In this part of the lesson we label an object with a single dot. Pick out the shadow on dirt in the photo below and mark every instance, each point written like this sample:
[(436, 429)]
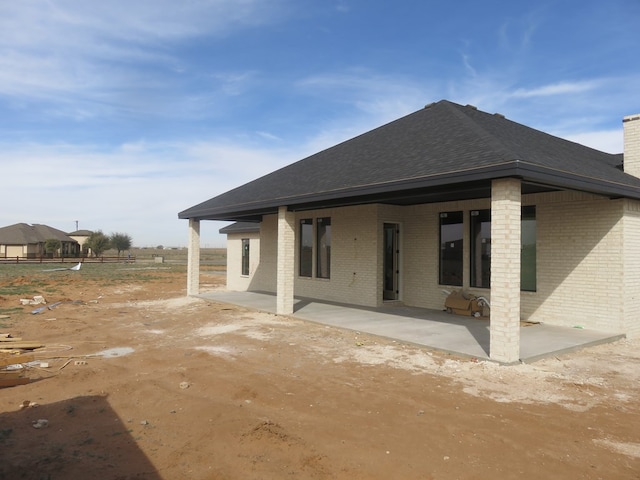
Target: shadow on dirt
[(78, 438)]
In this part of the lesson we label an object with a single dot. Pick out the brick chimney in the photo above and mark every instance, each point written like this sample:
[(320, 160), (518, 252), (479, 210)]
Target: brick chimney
[(631, 125)]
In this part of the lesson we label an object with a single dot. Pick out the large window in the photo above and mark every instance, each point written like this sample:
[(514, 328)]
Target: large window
[(323, 245), (451, 248), (320, 243), (480, 226), (480, 255), (245, 256), (306, 247)]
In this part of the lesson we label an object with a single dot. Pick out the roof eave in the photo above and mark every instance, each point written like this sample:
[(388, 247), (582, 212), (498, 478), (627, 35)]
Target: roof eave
[(386, 192)]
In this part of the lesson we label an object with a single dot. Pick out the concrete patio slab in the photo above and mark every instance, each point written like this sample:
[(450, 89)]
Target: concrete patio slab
[(454, 334)]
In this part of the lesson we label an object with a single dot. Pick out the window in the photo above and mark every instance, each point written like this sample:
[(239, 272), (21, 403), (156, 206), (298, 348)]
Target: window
[(306, 247), (480, 255), (528, 253), (318, 244), (245, 256), (451, 248), (323, 245), (480, 226)]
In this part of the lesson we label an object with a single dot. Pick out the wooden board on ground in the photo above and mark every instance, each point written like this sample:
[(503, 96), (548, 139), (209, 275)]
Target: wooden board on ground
[(15, 359), (21, 345)]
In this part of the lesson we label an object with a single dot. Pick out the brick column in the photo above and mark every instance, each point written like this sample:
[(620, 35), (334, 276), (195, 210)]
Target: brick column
[(505, 270), (286, 261), (193, 259)]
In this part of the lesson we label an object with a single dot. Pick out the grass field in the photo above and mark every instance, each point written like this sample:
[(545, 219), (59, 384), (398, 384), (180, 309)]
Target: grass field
[(27, 280), (208, 256)]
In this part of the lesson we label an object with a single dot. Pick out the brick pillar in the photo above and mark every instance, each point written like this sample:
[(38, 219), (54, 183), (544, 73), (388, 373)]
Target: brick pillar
[(193, 259), (286, 261), (505, 270)]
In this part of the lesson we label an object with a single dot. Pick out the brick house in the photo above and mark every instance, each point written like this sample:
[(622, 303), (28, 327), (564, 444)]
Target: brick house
[(448, 197), (28, 241)]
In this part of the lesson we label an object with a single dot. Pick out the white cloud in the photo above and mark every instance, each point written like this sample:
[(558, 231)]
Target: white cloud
[(115, 55), (137, 188), (610, 141), (563, 88)]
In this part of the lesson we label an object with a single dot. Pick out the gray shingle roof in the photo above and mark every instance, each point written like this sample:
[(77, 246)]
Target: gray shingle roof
[(25, 234), (81, 233), (443, 151), (240, 227)]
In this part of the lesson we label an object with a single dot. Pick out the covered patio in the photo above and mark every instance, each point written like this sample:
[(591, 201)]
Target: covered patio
[(439, 199), (458, 335)]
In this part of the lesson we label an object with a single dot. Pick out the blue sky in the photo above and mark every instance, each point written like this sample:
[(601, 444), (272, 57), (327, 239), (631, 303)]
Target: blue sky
[(119, 114)]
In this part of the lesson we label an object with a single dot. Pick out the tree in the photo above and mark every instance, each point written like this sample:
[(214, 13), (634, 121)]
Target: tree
[(52, 245), (120, 241), (98, 242)]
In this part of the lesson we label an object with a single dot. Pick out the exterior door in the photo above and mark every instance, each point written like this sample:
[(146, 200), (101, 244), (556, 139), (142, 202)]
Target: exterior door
[(391, 265)]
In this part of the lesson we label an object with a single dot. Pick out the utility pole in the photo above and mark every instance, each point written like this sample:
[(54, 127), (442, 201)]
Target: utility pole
[(76, 225)]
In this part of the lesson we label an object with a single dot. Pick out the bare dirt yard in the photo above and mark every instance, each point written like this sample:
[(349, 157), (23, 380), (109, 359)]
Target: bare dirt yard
[(143, 382)]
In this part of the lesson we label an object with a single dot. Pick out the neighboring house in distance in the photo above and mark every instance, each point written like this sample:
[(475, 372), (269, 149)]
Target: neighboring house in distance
[(448, 197), (81, 236), (28, 241)]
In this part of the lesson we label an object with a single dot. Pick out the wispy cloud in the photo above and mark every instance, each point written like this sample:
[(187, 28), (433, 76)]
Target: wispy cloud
[(562, 88), (64, 51), (136, 187)]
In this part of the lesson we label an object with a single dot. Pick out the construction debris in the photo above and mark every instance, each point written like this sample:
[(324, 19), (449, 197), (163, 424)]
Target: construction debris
[(54, 305), (36, 300), (14, 354), (74, 268), (462, 303)]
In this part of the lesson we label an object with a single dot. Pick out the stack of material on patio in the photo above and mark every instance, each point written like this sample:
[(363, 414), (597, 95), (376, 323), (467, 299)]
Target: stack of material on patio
[(14, 353), (462, 303)]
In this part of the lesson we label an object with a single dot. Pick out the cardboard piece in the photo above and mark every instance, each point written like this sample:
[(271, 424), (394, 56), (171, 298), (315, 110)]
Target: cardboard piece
[(461, 303)]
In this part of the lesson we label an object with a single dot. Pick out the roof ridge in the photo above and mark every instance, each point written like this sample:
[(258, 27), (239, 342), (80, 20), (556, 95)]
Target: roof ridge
[(462, 112)]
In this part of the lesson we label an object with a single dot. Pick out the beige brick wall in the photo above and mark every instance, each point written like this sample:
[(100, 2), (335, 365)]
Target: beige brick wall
[(355, 257), (580, 262), (421, 252), (264, 277), (631, 256), (235, 280), (586, 274)]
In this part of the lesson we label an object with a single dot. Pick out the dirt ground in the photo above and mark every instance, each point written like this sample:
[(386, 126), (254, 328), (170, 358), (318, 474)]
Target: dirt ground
[(146, 383)]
